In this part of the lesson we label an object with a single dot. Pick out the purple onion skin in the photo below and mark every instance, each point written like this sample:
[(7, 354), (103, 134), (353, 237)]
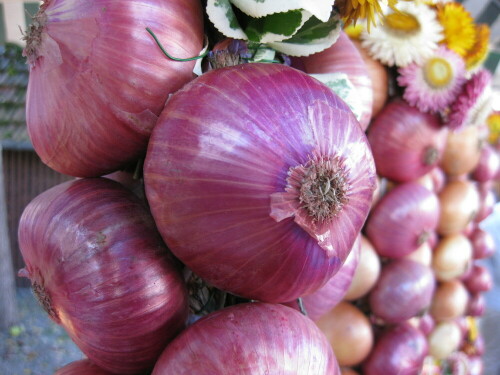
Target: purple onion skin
[(213, 167), (329, 295), (479, 279), (402, 219), (248, 339), (101, 270), (487, 200), (403, 290), (406, 143), (477, 305), (488, 165), (82, 367), (400, 350), (483, 243), (98, 80)]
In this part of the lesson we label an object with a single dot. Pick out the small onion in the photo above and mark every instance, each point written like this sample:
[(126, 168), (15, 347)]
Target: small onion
[(426, 323), (329, 295), (462, 151), (98, 80), (400, 350), (459, 203), (444, 339), (452, 257), (487, 201), (99, 268), (262, 187), (402, 220), (349, 332), (367, 272), (250, 338), (82, 367), (477, 305), (449, 301), (403, 290), (379, 77), (483, 243), (488, 165), (344, 57), (406, 143), (475, 365), (479, 279)]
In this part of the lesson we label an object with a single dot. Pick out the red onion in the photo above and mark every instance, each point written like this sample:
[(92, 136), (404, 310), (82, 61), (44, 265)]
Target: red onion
[(99, 268), (488, 165), (475, 365), (487, 201), (403, 290), (344, 57), (479, 279), (98, 80), (406, 143), (262, 187), (329, 295), (400, 350), (81, 367), (477, 305), (403, 220), (250, 338), (483, 243), (426, 323), (439, 178)]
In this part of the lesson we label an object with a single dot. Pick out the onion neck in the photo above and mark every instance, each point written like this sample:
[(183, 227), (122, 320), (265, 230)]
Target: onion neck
[(33, 35), (44, 299)]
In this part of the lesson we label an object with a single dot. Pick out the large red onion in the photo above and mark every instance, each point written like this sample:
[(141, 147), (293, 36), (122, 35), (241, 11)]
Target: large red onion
[(329, 295), (262, 187), (403, 290), (406, 143), (400, 350), (99, 268), (403, 220), (344, 57), (98, 80), (81, 367), (247, 339)]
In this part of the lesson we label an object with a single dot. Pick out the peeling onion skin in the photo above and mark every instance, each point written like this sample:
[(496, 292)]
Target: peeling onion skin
[(98, 80), (215, 166), (249, 339), (82, 367), (98, 266)]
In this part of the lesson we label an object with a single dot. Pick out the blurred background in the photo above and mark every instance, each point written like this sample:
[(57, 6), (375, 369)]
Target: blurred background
[(33, 345)]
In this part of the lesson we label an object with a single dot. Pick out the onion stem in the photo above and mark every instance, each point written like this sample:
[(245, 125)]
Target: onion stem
[(170, 56)]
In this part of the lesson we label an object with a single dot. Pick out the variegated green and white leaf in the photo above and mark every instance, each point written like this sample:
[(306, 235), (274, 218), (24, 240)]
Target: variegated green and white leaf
[(221, 13)]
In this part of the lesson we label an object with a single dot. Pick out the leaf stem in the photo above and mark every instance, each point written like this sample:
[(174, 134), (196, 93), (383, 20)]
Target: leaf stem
[(170, 56)]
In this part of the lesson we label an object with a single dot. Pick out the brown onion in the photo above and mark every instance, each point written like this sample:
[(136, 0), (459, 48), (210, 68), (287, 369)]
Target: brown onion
[(449, 301), (367, 272), (349, 332), (402, 220), (444, 339), (422, 255), (100, 269), (452, 257), (462, 151), (406, 143), (459, 203)]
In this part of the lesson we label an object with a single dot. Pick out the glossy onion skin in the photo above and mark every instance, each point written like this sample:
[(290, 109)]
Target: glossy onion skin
[(344, 57), (100, 80), (249, 339), (403, 290), (93, 253), (402, 138), (81, 367), (402, 218), (213, 164)]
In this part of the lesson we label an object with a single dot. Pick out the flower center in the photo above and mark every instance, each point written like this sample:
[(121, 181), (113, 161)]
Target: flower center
[(402, 22), (438, 72), (323, 189)]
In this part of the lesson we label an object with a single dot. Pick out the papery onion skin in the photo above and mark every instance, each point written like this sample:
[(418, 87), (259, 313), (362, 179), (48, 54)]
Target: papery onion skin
[(406, 143), (402, 220), (462, 151), (82, 367), (217, 176), (98, 80), (329, 295), (403, 290), (400, 350), (452, 257), (101, 270), (344, 57), (250, 338)]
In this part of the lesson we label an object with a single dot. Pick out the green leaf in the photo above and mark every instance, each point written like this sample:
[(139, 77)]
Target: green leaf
[(278, 23), (314, 29)]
